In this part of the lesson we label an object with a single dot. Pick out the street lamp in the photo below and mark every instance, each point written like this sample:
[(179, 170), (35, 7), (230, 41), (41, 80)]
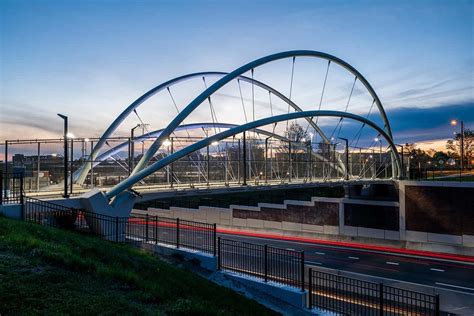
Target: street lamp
[(65, 136), (131, 158), (402, 172), (454, 123), (71, 181)]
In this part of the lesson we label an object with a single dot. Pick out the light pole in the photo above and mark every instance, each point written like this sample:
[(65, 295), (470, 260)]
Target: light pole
[(266, 157), (64, 117), (71, 181), (347, 156), (454, 123), (167, 143), (131, 160), (402, 172)]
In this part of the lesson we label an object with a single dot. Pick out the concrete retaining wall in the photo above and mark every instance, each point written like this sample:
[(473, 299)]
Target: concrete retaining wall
[(325, 218)]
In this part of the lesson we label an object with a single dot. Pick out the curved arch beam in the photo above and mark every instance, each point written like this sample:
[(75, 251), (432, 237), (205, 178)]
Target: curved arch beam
[(238, 72), (129, 182), (80, 176)]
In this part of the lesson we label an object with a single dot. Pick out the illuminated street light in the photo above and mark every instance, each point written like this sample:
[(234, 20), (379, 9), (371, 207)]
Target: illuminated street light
[(70, 135), (215, 143), (86, 140), (65, 170), (167, 143), (454, 123)]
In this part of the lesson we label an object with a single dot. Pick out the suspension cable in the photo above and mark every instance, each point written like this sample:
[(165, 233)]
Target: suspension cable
[(253, 97), (359, 132), (324, 88), (341, 120), (242, 99), (291, 87)]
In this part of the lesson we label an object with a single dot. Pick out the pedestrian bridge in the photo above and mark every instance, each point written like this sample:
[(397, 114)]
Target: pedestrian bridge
[(267, 137)]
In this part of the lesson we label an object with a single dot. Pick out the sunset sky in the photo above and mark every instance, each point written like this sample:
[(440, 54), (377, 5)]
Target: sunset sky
[(90, 59)]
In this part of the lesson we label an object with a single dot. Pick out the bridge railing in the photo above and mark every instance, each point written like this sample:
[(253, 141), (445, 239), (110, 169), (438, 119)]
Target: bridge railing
[(350, 296)]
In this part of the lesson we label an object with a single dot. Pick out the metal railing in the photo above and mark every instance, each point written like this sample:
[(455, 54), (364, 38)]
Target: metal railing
[(173, 231), (351, 296), (136, 228), (261, 261), (11, 188)]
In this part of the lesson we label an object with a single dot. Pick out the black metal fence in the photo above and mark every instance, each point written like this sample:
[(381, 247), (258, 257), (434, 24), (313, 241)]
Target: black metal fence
[(136, 228), (11, 188), (173, 231), (357, 297), (263, 262)]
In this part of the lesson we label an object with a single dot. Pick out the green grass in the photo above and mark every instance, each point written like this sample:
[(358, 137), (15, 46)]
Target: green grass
[(50, 271)]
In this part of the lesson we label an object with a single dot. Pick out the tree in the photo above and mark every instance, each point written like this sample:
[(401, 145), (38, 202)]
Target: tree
[(296, 133), (417, 156), (454, 145)]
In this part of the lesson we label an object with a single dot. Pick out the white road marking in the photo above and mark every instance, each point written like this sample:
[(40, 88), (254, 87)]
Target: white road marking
[(355, 258), (313, 262), (392, 263), (456, 286), (438, 270), (320, 253)]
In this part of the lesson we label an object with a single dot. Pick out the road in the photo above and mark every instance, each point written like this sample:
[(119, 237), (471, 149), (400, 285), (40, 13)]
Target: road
[(427, 271), (432, 272)]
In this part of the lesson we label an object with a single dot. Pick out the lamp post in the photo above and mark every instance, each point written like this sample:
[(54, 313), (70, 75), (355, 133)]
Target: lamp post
[(266, 158), (64, 117), (402, 172), (131, 159), (454, 123), (71, 181)]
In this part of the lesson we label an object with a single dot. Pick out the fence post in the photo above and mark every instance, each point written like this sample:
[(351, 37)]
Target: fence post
[(381, 299), (310, 288), (214, 239), (177, 233), (266, 262), (219, 253), (437, 311), (22, 199), (116, 228), (1, 188), (302, 271), (146, 227), (156, 230)]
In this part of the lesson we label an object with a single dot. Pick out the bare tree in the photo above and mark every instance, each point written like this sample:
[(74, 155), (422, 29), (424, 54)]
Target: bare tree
[(454, 145)]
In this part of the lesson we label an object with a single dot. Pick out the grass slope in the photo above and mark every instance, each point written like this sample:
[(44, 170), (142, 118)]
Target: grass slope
[(49, 271)]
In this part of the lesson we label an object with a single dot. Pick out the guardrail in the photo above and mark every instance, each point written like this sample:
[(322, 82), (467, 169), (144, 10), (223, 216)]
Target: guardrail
[(263, 262), (357, 297), (11, 188)]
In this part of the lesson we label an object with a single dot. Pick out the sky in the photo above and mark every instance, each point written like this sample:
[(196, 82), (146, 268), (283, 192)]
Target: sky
[(91, 59)]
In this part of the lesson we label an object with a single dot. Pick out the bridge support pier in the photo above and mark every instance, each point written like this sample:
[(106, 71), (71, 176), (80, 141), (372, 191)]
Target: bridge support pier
[(95, 204)]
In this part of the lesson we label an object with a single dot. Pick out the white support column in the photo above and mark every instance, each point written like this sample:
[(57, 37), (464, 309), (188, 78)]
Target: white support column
[(341, 217), (401, 210)]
